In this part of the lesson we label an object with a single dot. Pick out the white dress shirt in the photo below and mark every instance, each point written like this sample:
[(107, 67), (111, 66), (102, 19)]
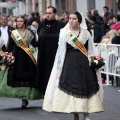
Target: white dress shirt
[(4, 34)]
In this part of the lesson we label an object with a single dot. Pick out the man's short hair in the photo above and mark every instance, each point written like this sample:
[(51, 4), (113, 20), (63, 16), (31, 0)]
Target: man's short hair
[(95, 11), (54, 9), (106, 7)]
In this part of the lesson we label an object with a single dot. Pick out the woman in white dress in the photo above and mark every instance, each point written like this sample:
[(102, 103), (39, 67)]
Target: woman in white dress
[(74, 87)]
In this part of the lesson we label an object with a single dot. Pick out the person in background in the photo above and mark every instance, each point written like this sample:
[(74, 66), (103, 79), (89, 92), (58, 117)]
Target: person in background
[(88, 13), (61, 18), (109, 36), (66, 18), (111, 19), (116, 21), (34, 28), (5, 33), (42, 18), (106, 12), (12, 21), (73, 85), (94, 12), (34, 17), (105, 18), (97, 29), (99, 19), (47, 46)]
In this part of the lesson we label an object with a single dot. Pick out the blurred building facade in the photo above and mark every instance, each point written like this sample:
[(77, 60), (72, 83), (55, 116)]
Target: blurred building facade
[(29, 6), (14, 7), (71, 5)]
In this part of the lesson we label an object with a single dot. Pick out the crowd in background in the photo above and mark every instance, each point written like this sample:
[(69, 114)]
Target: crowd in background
[(103, 28)]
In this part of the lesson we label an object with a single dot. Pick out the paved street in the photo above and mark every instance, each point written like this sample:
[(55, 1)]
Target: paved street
[(10, 109)]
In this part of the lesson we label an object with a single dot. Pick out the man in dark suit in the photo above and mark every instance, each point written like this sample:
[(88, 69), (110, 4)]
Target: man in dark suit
[(5, 34), (97, 28), (48, 43)]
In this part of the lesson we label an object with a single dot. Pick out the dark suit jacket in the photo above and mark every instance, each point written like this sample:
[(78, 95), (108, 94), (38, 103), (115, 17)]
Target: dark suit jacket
[(48, 43), (98, 32), (10, 40)]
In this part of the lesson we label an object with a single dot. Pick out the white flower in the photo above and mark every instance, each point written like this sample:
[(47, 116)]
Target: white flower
[(96, 61)]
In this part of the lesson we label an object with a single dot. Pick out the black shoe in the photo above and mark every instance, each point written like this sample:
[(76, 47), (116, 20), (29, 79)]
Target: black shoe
[(24, 104)]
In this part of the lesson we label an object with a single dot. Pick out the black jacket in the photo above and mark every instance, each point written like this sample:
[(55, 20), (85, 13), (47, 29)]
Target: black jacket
[(98, 32), (48, 43)]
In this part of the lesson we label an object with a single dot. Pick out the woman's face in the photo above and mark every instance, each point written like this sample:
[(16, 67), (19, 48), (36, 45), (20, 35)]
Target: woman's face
[(20, 23), (73, 21)]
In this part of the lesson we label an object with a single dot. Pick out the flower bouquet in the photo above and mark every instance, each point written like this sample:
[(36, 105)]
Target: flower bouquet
[(96, 62), (6, 59)]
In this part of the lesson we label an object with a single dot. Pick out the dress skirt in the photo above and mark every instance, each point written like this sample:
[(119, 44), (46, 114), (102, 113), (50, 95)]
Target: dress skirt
[(78, 89), (17, 92)]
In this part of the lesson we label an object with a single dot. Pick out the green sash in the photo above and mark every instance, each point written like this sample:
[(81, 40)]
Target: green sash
[(76, 41), (18, 40)]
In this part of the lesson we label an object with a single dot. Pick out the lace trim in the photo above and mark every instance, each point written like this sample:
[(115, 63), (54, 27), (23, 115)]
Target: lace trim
[(12, 79), (83, 37), (61, 87)]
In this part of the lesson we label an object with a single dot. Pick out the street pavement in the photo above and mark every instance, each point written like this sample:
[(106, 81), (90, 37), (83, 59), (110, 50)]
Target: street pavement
[(10, 109)]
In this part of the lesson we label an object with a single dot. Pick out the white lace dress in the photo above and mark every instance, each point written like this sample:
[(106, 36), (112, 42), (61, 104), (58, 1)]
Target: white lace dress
[(56, 100)]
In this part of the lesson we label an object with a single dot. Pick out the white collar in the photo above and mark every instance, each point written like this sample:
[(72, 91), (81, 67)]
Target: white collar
[(6, 27)]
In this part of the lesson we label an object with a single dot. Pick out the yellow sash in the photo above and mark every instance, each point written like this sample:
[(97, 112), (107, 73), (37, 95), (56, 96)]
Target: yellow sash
[(18, 40), (76, 41)]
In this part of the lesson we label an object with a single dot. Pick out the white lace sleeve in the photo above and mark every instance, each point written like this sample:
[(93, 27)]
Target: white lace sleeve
[(91, 46), (83, 36)]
